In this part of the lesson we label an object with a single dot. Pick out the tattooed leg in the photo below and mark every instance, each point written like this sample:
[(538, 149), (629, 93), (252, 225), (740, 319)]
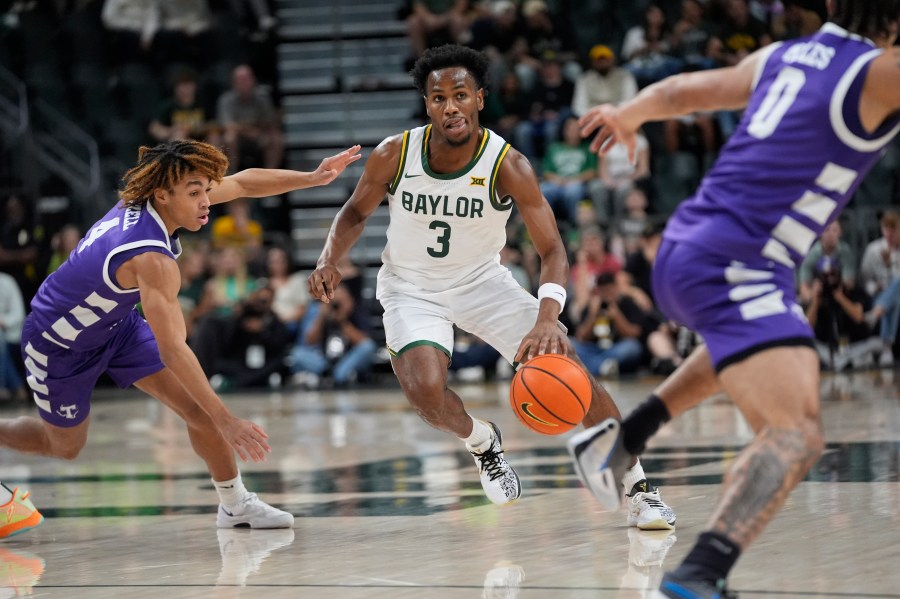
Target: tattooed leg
[(777, 391), (761, 479)]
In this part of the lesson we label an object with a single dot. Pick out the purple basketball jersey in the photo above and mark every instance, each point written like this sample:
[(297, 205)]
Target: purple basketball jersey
[(83, 323), (796, 158), (76, 305)]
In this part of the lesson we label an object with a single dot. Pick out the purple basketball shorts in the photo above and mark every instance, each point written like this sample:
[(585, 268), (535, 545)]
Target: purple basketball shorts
[(739, 307), (62, 380)]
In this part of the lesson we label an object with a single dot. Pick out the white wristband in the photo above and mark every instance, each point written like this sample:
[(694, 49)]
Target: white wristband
[(555, 292)]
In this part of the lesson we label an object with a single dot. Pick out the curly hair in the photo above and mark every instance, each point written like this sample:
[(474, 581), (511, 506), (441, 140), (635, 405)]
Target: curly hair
[(163, 166), (451, 55), (869, 18)]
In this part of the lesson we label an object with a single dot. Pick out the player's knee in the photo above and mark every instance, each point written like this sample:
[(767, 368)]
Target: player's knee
[(813, 436)]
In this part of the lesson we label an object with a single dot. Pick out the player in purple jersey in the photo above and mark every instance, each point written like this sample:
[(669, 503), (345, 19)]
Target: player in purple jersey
[(83, 322), (818, 112)]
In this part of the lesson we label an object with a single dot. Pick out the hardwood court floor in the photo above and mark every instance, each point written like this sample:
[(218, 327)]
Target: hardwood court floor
[(390, 508)]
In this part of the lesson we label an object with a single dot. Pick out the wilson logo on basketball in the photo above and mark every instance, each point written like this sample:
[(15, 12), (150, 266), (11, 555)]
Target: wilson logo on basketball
[(527, 412)]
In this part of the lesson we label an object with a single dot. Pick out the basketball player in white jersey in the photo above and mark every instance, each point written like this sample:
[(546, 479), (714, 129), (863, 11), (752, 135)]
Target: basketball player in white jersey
[(451, 186)]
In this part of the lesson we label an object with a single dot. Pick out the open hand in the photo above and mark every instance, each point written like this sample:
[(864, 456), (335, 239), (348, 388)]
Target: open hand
[(331, 167), (247, 439), (605, 120)]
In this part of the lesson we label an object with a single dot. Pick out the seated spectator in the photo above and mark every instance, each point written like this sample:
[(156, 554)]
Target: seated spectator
[(186, 34), (337, 343), (740, 35), (830, 246), (63, 244), (646, 49), (803, 17), (195, 303), (631, 227), (771, 14), (592, 258), (238, 229), (603, 82), (19, 245), (291, 289), (618, 176), (160, 32), (608, 331), (230, 283), (252, 128), (12, 315), (505, 108), (223, 295), (692, 37), (511, 258), (435, 22), (253, 347), (131, 27), (540, 33), (638, 268), (836, 313), (567, 167), (185, 115), (550, 104), (880, 274), (634, 281)]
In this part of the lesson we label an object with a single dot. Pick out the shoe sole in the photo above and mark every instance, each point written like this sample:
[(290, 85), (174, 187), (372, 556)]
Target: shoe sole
[(599, 445), (32, 521), (659, 524)]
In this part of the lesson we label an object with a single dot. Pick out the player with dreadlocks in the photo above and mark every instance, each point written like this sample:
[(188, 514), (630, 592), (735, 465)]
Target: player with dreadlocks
[(83, 321)]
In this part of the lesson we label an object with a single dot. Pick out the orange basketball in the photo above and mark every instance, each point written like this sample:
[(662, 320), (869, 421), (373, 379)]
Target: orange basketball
[(550, 394)]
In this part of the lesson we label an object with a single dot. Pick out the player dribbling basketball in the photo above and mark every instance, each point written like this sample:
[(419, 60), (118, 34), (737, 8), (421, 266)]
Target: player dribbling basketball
[(451, 186)]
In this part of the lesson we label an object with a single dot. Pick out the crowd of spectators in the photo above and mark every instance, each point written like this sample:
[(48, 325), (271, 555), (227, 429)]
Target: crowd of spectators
[(250, 319), (611, 210)]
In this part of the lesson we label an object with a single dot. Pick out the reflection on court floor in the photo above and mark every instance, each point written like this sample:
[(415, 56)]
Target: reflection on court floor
[(389, 507)]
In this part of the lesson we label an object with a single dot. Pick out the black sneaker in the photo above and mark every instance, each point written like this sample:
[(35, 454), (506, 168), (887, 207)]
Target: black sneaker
[(675, 587), (498, 479)]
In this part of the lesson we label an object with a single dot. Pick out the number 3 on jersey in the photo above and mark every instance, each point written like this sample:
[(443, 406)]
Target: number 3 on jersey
[(782, 93), (443, 239)]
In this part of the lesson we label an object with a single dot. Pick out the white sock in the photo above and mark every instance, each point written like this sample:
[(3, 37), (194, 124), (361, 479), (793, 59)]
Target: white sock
[(481, 435), (231, 492), (633, 475), (5, 494)]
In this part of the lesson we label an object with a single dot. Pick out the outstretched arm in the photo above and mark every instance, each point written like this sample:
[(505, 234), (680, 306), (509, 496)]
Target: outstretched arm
[(716, 89), (348, 225), (264, 182), (158, 278)]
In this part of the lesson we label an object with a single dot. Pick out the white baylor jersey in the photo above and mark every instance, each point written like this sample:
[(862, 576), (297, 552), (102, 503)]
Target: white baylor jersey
[(445, 229)]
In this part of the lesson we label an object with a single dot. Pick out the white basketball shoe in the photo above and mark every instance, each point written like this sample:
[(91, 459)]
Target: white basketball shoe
[(498, 479), (647, 510), (253, 512)]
